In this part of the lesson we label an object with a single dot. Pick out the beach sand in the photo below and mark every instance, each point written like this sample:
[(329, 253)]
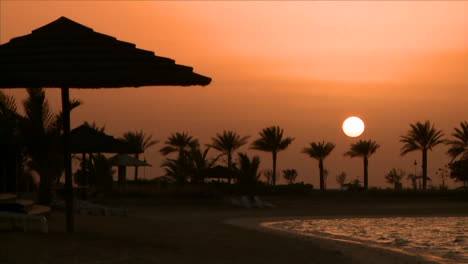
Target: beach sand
[(205, 231)]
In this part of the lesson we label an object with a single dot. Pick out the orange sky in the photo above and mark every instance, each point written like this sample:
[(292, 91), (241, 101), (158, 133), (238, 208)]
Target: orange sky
[(302, 65)]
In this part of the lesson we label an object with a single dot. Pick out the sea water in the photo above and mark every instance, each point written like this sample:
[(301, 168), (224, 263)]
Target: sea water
[(444, 238)]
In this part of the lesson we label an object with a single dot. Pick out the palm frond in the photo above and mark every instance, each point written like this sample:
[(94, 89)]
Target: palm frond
[(271, 140), (421, 136), (139, 139), (459, 146), (319, 150), (362, 148)]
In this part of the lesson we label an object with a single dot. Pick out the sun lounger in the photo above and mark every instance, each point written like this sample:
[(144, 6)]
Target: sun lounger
[(262, 204), (7, 198), (234, 202), (18, 213), (245, 202)]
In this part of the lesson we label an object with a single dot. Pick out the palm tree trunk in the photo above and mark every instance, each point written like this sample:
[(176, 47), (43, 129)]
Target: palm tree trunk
[(44, 192), (83, 168), (274, 168), (366, 181), (67, 160), (136, 168), (229, 165), (122, 175), (424, 168), (322, 182)]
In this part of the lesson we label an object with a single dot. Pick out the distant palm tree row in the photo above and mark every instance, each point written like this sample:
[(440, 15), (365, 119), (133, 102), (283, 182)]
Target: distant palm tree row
[(32, 143), (420, 137)]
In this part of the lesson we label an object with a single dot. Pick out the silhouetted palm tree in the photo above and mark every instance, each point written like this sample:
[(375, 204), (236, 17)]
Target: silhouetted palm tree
[(320, 151), (290, 175), (459, 146), (341, 179), (38, 135), (363, 149), (271, 140), (199, 162), (181, 143), (227, 143), (8, 107), (394, 177), (139, 140), (41, 131), (192, 165), (248, 174), (421, 137), (175, 170), (11, 151)]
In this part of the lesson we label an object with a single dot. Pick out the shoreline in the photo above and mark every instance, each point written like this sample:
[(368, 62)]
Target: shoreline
[(206, 231), (361, 252)]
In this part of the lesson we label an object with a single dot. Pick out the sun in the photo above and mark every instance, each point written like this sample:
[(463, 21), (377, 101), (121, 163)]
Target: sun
[(353, 126)]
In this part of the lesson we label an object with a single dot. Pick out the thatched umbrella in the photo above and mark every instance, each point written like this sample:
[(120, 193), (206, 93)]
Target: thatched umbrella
[(219, 172), (122, 161), (65, 54), (86, 139)]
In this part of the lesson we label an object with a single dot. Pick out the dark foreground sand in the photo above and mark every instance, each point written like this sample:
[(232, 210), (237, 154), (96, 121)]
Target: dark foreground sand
[(201, 231)]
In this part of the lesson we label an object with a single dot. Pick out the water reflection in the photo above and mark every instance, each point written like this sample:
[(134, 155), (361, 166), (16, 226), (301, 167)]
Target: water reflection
[(445, 237)]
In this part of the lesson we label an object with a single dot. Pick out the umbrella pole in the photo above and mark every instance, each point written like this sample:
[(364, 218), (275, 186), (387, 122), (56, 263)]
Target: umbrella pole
[(67, 158)]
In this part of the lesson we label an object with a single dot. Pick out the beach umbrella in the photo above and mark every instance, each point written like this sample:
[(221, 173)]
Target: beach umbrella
[(122, 161), (85, 139), (126, 160), (219, 172), (65, 54)]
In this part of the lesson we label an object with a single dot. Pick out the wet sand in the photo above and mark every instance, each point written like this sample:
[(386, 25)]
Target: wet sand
[(210, 231)]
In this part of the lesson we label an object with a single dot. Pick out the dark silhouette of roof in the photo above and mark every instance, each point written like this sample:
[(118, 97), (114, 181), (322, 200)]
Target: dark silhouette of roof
[(126, 160), (86, 139), (65, 53), (219, 172)]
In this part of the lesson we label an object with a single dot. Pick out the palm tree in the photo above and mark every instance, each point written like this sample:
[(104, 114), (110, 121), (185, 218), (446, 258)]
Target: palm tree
[(320, 151), (363, 149), (290, 175), (341, 179), (248, 174), (199, 163), (37, 134), (41, 131), (10, 144), (227, 143), (175, 170), (422, 137), (394, 177), (271, 140), (139, 140), (192, 165), (459, 146), (181, 143)]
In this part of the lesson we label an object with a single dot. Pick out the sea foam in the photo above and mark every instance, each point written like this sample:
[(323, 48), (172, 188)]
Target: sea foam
[(444, 238)]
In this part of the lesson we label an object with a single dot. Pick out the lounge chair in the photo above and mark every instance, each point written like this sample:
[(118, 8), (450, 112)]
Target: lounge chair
[(234, 201), (262, 204), (245, 202), (21, 213)]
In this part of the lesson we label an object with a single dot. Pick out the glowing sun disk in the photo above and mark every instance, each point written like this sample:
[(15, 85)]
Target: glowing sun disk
[(353, 126)]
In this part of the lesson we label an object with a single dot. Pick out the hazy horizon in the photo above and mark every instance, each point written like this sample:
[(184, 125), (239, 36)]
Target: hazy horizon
[(390, 63)]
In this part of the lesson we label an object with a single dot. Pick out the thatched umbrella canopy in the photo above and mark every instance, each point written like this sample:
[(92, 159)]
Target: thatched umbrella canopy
[(219, 172), (85, 139), (122, 161), (126, 160), (65, 54)]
